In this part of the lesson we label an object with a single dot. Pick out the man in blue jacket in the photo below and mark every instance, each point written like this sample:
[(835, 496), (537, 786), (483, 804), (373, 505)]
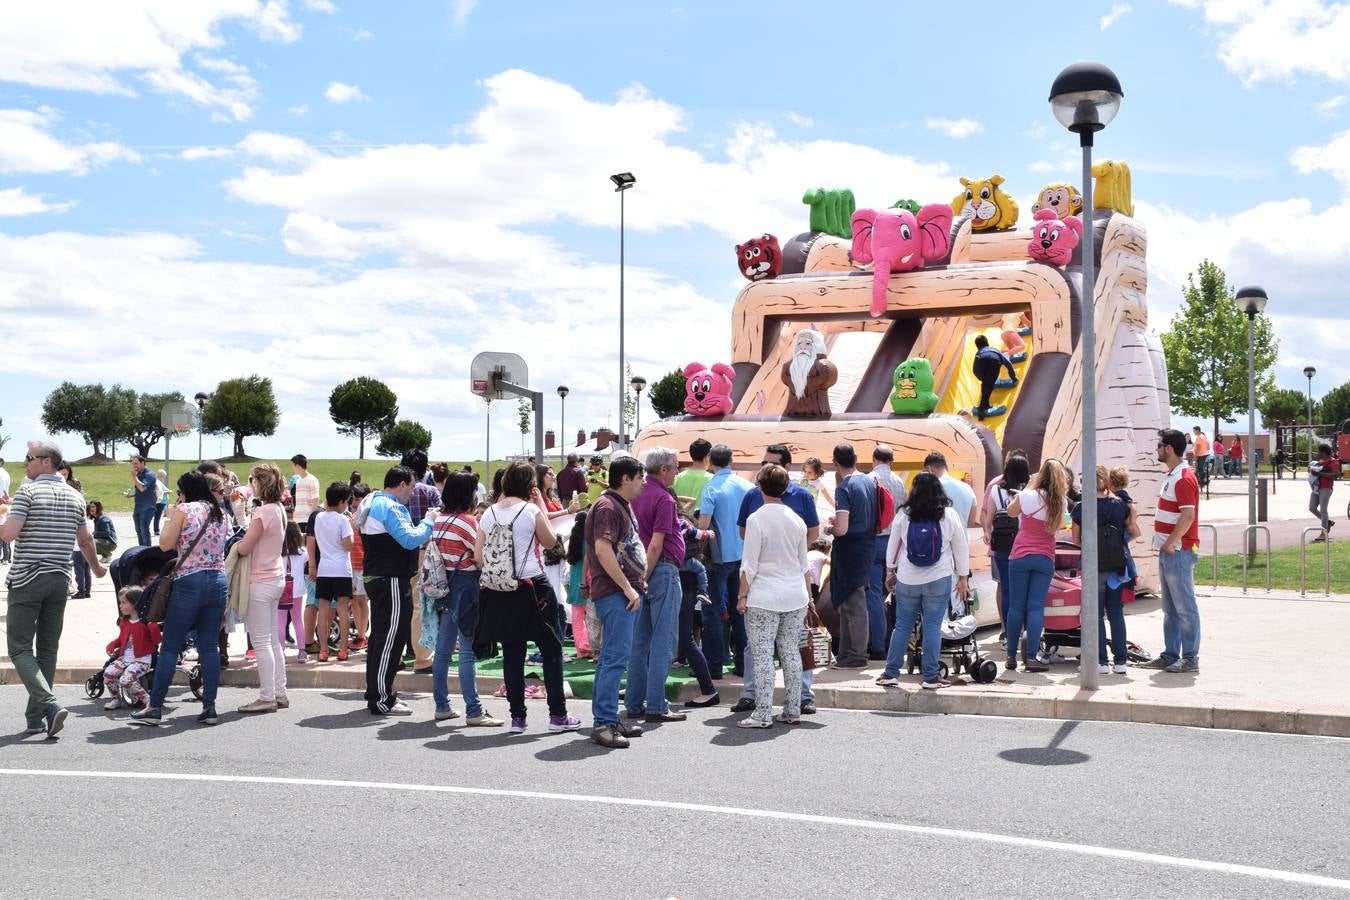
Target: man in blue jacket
[(391, 542)]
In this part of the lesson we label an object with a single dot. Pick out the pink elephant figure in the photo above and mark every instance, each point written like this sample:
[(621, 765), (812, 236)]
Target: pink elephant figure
[(896, 240), (1053, 238), (707, 389)]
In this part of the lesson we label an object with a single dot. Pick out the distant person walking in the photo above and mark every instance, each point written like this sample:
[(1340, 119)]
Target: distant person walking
[(1326, 470), (143, 483), (46, 518), (1176, 535)]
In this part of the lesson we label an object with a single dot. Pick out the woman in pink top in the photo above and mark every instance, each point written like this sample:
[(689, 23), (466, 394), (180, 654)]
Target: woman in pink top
[(267, 579), (1031, 564)]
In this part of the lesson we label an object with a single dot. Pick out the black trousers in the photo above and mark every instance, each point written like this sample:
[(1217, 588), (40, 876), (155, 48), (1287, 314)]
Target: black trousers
[(390, 623), (986, 394)]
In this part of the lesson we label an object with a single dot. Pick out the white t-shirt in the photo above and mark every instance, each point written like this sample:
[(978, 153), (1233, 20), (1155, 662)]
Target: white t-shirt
[(955, 559), (529, 563), (1034, 505), (329, 530), (4, 482)]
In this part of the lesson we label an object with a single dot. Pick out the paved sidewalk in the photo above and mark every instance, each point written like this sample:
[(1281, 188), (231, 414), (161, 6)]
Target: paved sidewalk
[(1268, 663)]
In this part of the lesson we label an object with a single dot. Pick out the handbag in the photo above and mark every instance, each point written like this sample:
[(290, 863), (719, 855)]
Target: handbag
[(815, 641), (555, 554), (154, 602)]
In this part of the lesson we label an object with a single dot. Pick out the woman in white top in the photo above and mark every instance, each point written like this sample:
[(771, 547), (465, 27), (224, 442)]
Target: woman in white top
[(775, 588), (922, 573), (267, 579)]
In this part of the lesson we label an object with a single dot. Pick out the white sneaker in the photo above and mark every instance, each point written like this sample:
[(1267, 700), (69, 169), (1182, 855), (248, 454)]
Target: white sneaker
[(190, 654), (1119, 668), (399, 709), (1103, 669), (114, 703)]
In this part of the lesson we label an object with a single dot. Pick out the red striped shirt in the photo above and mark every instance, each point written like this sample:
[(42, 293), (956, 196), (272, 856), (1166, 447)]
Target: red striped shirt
[(1180, 489), (454, 537)]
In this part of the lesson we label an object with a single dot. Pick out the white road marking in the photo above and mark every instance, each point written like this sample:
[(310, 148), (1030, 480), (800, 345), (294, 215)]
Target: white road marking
[(1157, 859)]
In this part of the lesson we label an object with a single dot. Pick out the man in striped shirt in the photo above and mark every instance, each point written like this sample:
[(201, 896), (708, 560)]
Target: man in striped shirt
[(1176, 535), (45, 519)]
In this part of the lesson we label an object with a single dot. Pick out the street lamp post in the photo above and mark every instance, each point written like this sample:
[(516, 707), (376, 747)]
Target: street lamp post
[(638, 383), (1254, 305), (562, 422), (201, 398), (622, 182), (1309, 372), (1084, 98)]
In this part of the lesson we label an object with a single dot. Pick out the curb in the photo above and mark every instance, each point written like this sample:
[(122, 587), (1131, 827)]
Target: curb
[(1321, 721)]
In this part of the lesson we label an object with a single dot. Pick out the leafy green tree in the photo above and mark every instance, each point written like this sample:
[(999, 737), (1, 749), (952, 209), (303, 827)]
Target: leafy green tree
[(242, 407), (1334, 407), (667, 395), (402, 437), (524, 413), (100, 415), (1206, 350), (363, 406), (144, 430)]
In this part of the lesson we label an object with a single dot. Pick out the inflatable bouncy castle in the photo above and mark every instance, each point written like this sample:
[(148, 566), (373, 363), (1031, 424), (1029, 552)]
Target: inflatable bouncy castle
[(866, 334)]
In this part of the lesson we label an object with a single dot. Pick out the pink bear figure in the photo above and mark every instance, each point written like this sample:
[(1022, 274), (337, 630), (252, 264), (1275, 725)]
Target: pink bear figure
[(707, 389), (1053, 238)]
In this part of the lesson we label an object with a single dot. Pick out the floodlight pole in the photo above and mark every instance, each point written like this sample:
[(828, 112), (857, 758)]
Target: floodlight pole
[(623, 388)]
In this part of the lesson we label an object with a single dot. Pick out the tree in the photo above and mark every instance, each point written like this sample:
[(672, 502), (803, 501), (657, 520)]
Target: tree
[(1206, 350), (1282, 406), (667, 395), (628, 414), (4, 438), (144, 429), (96, 413), (1334, 407), (524, 412), (363, 406), (242, 407), (403, 436)]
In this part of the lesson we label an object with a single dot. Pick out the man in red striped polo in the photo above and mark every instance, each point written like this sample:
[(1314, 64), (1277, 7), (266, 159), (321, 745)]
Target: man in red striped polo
[(1176, 535)]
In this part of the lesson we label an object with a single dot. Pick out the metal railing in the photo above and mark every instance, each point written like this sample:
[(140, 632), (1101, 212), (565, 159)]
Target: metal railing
[(1303, 560), (1246, 559), (1215, 556)]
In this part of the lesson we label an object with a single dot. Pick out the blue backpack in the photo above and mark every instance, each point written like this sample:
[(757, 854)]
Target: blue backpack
[(923, 543)]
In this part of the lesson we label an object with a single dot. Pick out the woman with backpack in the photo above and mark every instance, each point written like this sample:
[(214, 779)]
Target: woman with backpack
[(1000, 529), (1031, 563), (263, 545), (1114, 522), (928, 554), (516, 603)]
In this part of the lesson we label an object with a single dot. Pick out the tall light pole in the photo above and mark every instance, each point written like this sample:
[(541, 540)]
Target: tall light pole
[(1309, 372), (1252, 301), (638, 383), (622, 182), (201, 398), (562, 422), (1084, 98)]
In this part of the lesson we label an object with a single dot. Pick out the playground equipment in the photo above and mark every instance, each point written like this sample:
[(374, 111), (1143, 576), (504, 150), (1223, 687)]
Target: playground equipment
[(985, 282)]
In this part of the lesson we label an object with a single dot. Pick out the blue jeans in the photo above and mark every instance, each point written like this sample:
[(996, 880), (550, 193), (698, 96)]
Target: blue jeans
[(724, 582), (197, 603), (696, 568), (159, 513), (1181, 615), (142, 517), (932, 598), (617, 624), (1004, 584), (654, 639), (876, 598), (458, 609), (1029, 583), (1111, 605)]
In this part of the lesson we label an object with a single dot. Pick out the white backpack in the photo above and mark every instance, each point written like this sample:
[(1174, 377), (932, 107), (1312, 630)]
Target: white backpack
[(435, 582), (499, 555)]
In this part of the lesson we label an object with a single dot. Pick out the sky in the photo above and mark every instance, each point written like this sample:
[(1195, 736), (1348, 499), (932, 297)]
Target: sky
[(318, 189)]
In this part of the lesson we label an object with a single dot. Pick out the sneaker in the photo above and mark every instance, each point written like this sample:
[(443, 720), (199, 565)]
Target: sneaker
[(745, 704), (936, 684), (1010, 665), (359, 644), (484, 720), (114, 703), (605, 735), (312, 647), (808, 707), (670, 715), (208, 716), (398, 709), (753, 723), (409, 661), (517, 725), (250, 654), (323, 656), (860, 664), (1035, 665), (701, 600), (1103, 669), (283, 702), (443, 715), (259, 706), (563, 723), (56, 718), (343, 656), (145, 716), (888, 680), (630, 729), (190, 654), (1183, 666), (1158, 662), (787, 719), (301, 657), (1120, 668)]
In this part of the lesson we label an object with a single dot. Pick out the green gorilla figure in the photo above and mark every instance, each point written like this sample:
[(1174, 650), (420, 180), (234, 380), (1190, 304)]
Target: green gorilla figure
[(913, 388)]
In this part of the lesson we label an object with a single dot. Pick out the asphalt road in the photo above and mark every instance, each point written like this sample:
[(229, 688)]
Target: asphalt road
[(326, 800)]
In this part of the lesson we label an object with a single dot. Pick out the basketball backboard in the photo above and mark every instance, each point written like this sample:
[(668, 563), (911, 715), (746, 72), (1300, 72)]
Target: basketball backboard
[(178, 417), (488, 368)]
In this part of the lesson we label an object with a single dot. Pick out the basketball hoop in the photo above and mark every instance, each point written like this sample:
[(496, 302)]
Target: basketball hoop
[(181, 428)]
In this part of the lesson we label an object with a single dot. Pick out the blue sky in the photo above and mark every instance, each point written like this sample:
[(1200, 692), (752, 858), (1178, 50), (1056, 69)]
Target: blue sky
[(314, 190)]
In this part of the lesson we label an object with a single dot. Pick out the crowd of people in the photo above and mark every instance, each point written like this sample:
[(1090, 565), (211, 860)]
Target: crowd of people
[(659, 563)]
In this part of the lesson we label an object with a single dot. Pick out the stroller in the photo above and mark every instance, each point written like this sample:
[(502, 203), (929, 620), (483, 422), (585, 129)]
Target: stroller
[(132, 567), (1063, 607), (958, 645)]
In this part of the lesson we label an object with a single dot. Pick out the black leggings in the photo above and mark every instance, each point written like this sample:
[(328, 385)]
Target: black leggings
[(513, 673), (689, 651)]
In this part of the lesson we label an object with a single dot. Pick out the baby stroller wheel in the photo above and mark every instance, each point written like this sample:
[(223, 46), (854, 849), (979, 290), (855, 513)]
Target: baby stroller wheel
[(943, 671), (985, 671), (195, 681), (93, 686), (911, 663)]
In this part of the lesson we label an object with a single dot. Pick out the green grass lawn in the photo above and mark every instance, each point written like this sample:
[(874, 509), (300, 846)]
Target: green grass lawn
[(106, 483), (1284, 569)]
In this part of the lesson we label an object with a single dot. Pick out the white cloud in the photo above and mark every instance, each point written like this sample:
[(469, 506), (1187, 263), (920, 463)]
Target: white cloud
[(1118, 10), (1330, 108), (323, 6), (359, 34), (27, 145), (1333, 158), (298, 111), (192, 154), (337, 92), (1261, 39), (1036, 130), (460, 12), (228, 103), (273, 23), (17, 202), (957, 129), (800, 120)]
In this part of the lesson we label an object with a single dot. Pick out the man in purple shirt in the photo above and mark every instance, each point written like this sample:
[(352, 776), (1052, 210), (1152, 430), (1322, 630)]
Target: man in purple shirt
[(571, 480), (658, 619)]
